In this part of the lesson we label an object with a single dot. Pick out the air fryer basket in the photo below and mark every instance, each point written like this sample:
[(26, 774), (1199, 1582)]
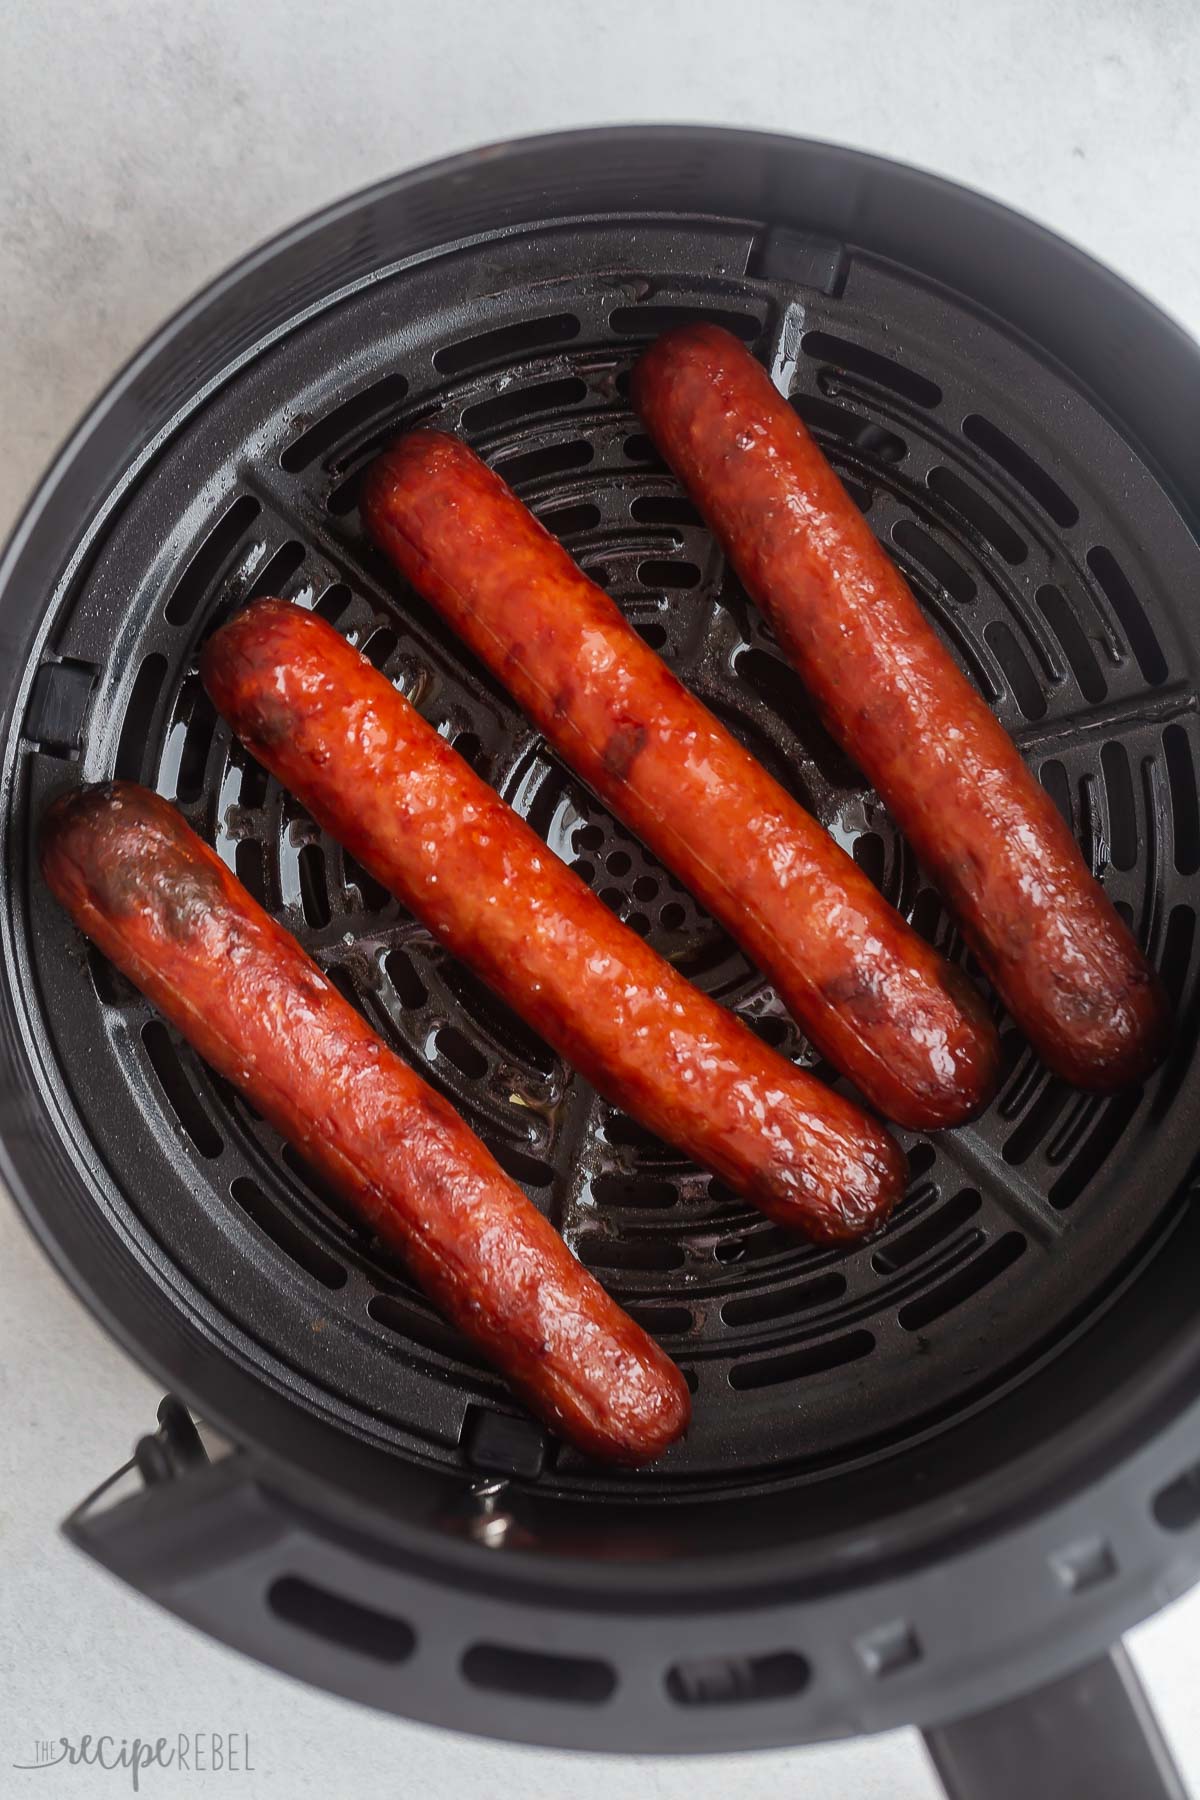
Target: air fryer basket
[(924, 1473)]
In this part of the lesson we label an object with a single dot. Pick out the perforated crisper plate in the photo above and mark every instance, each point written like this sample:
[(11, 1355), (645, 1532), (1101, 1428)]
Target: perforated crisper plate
[(1046, 554)]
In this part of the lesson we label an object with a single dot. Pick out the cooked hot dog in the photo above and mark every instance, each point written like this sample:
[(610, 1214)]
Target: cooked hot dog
[(381, 780), (1040, 924), (875, 999), (164, 908)]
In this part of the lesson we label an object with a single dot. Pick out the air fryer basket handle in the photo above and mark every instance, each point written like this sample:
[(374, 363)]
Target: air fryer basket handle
[(1092, 1733)]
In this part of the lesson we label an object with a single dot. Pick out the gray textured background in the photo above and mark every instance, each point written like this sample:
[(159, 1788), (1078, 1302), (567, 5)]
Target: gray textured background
[(144, 147)]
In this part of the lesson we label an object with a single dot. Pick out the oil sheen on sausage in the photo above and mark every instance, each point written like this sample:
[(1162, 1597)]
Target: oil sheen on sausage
[(877, 1001), (411, 810), (888, 690), (163, 907)]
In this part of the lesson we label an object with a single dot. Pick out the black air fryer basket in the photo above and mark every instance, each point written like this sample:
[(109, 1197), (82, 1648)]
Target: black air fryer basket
[(926, 1475)]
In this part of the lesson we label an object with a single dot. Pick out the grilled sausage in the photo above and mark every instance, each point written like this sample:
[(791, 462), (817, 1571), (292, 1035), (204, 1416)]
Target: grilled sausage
[(164, 908), (876, 1000), (890, 693), (380, 779)]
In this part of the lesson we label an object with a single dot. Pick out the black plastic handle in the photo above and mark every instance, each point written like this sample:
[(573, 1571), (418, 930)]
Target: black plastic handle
[(1091, 1736)]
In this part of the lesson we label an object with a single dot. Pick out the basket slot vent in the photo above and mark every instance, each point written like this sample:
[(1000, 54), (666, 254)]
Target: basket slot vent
[(248, 866), (870, 854), (189, 741), (1097, 1147), (372, 893), (665, 509), (407, 984), (857, 360), (932, 1230), (314, 895), (541, 465), (1122, 810), (966, 1281), (662, 1321), (411, 1320), (458, 1049), (663, 572), (537, 1675), (828, 420), (1021, 466), (648, 321), (796, 1365), (506, 1028), (345, 423), (1185, 806), (506, 342), (180, 1094), (786, 1302), (348, 1624), (633, 1190), (736, 1680), (601, 1252), (525, 1169), (963, 499), (1129, 610), (1057, 783), (506, 409), (135, 729), (209, 561), (283, 1231), (1064, 622), (1023, 683), (333, 602), (339, 1210), (948, 573), (1053, 1100), (569, 521), (275, 574)]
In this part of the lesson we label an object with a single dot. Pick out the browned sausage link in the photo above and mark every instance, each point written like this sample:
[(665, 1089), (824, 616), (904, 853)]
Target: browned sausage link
[(876, 1000), (889, 691), (414, 814), (164, 908)]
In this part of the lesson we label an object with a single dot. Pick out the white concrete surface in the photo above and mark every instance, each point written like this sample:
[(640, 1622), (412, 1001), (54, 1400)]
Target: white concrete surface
[(142, 147)]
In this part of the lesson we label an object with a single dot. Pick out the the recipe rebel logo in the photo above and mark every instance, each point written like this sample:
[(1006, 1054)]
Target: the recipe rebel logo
[(197, 1752)]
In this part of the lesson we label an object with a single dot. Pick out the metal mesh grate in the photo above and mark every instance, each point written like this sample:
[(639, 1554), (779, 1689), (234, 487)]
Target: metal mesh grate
[(999, 491)]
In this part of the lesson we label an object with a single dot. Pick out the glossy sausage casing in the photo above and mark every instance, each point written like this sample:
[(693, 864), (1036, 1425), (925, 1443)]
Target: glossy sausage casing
[(163, 907), (381, 780), (1052, 943), (875, 999)]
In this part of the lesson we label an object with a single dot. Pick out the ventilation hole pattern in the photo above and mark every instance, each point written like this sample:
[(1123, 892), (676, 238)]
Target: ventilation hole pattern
[(1005, 548)]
